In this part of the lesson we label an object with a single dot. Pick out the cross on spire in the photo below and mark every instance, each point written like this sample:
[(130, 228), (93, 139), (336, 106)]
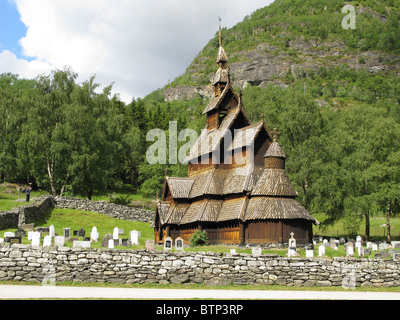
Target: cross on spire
[(275, 134), (220, 32)]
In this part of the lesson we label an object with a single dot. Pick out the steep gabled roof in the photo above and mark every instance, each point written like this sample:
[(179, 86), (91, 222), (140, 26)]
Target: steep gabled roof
[(217, 100), (246, 136), (209, 141), (179, 187)]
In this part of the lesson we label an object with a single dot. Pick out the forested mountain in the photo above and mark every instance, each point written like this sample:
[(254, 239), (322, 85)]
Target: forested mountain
[(333, 93)]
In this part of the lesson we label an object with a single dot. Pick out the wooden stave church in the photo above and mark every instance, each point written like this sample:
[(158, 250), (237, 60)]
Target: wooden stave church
[(243, 198)]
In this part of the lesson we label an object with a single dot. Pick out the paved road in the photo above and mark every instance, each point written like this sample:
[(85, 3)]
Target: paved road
[(42, 292)]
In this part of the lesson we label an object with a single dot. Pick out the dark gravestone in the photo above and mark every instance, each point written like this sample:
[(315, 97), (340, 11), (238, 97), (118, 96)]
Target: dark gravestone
[(14, 240), (81, 232), (20, 233), (104, 242)]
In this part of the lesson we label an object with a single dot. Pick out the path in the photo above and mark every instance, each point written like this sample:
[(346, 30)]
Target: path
[(41, 292)]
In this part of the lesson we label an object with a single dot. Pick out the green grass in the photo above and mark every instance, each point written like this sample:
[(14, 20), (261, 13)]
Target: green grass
[(377, 232), (76, 219), (9, 196)]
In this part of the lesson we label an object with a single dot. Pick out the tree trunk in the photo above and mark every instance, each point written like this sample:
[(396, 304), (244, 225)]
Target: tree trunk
[(50, 172), (367, 225), (389, 212)]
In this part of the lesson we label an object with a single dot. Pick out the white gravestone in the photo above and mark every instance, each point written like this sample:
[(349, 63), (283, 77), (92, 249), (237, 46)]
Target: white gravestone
[(35, 239), (86, 244), (168, 244), (52, 232), (94, 235), (9, 234), (374, 247), (47, 241), (349, 249), (321, 251), (111, 244), (256, 252), (59, 241), (179, 244), (134, 237), (116, 233), (309, 253)]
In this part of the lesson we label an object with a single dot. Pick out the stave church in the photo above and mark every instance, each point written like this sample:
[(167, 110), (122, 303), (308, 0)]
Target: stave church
[(237, 189)]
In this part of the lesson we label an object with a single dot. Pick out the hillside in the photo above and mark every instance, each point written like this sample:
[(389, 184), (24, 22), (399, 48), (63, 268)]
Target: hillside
[(297, 37)]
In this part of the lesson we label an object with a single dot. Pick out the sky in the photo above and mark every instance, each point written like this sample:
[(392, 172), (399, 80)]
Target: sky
[(138, 45)]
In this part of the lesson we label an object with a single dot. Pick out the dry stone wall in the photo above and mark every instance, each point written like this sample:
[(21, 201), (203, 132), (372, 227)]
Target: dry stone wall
[(37, 264)]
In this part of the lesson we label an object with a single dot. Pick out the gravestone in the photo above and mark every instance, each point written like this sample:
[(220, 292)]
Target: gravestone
[(134, 237), (86, 244), (382, 254), (179, 244), (47, 241), (383, 246), (43, 229), (94, 235), (52, 232), (20, 233), (35, 239), (256, 252), (1, 240), (233, 251), (325, 242), (81, 232), (120, 231), (168, 244), (321, 250), (77, 244), (106, 238), (14, 240), (360, 251), (116, 233), (150, 245), (111, 244), (59, 241), (30, 233), (374, 247), (9, 234), (28, 226), (309, 253), (394, 243), (67, 233), (349, 247), (367, 252)]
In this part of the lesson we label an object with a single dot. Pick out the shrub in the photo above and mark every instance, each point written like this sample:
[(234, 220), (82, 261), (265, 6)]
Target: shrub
[(199, 238)]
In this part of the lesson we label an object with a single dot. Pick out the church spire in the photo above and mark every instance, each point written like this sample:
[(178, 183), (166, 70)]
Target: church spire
[(221, 78)]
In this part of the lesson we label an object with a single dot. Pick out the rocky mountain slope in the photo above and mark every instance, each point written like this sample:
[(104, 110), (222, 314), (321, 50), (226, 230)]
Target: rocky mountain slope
[(270, 45)]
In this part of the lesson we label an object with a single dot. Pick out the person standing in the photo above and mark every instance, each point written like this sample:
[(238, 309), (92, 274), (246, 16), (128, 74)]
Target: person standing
[(28, 193)]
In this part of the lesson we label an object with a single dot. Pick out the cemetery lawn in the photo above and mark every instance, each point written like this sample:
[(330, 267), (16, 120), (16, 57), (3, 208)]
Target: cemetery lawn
[(76, 219), (378, 230)]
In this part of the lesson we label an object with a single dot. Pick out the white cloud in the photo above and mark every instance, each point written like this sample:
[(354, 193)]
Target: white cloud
[(138, 44)]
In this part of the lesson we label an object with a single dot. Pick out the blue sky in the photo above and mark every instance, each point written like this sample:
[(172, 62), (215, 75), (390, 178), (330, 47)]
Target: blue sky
[(11, 27), (139, 45)]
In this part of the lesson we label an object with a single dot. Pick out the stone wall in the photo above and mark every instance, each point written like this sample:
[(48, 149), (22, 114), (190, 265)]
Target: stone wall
[(37, 209), (103, 207), (35, 264)]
